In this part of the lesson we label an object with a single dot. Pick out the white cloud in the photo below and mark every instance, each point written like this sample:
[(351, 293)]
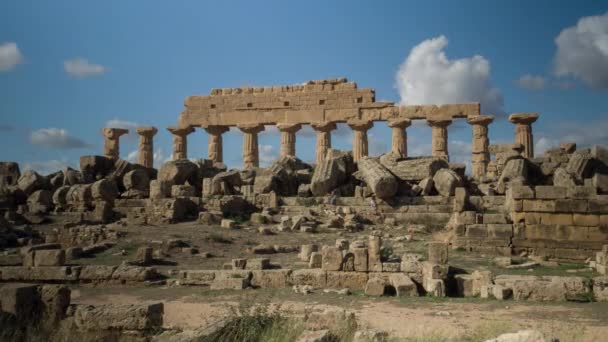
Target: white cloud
[(582, 51), (56, 138), (48, 166), (131, 126), (159, 157), (10, 56), (543, 144), (584, 134), (427, 76), (81, 68), (531, 82), (267, 155), (376, 146)]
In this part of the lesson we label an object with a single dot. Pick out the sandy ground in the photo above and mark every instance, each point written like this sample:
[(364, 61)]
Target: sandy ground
[(401, 317)]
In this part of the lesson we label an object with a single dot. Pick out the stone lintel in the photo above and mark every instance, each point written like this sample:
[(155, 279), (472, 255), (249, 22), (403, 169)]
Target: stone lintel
[(483, 120), (523, 118), (113, 133)]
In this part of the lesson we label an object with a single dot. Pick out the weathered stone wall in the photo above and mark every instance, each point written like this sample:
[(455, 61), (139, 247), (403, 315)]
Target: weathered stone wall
[(552, 221), (315, 101)]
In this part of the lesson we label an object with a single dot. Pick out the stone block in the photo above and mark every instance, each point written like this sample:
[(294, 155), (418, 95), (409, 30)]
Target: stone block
[(257, 264), (501, 292), (228, 224), (271, 279), (581, 192), (550, 192), (464, 285), (411, 263), (144, 255), (438, 252), (374, 263), (235, 283), (404, 286), (332, 258), (600, 182), (520, 192), (316, 260), (21, 300), (375, 287), (494, 218), (586, 220), (119, 317), (49, 257), (351, 280), (600, 288), (238, 264), (316, 278), (557, 219), (434, 271), (95, 273), (361, 259), (543, 206)]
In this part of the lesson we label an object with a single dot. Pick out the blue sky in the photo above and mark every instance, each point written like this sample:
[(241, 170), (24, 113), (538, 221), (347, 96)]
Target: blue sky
[(68, 68)]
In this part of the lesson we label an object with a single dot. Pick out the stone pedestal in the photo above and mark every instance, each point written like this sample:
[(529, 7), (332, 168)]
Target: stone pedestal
[(146, 146), (399, 136), (523, 131), (480, 153), (180, 141), (360, 128), (215, 149), (111, 145), (288, 138), (323, 130), (250, 144), (440, 137)]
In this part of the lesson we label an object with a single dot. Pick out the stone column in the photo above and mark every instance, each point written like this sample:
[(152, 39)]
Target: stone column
[(250, 144), (399, 136), (180, 141), (288, 138), (111, 145), (215, 149), (440, 137), (480, 153), (146, 146), (323, 130), (523, 131), (360, 128)]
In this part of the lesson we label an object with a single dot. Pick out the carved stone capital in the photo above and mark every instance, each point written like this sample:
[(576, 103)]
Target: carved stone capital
[(113, 133), (523, 118), (482, 120), (399, 123)]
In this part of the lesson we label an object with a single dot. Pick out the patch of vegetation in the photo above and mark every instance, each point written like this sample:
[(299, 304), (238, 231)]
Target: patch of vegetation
[(306, 202), (238, 218), (385, 253), (219, 238)]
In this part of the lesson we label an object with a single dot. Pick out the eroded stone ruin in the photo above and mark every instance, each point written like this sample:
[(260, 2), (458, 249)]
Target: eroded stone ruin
[(521, 209)]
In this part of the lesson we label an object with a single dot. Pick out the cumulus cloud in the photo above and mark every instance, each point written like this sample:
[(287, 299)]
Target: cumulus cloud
[(585, 134), (531, 82), (56, 138), (159, 157), (48, 166), (428, 76), (267, 154), (81, 68), (10, 56), (582, 51)]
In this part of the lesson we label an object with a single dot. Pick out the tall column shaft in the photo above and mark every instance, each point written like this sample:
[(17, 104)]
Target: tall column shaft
[(360, 148), (523, 131), (480, 153), (323, 139), (250, 145), (288, 139), (399, 136), (523, 136), (440, 137), (180, 141), (111, 145), (215, 148), (146, 146)]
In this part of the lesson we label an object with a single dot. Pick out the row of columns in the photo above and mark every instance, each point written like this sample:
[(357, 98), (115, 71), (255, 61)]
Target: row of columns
[(479, 147)]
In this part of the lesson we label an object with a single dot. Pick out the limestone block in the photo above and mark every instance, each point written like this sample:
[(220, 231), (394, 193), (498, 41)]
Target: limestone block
[(579, 165), (600, 182), (21, 300), (563, 178), (331, 172), (314, 277), (446, 181), (581, 192), (438, 252), (31, 181), (589, 220), (306, 251), (178, 172), (521, 192), (228, 224), (49, 257), (351, 280), (316, 260), (391, 267), (104, 190), (271, 279), (119, 317), (160, 189), (361, 259), (464, 285), (375, 287), (144, 255), (332, 258), (414, 169), (55, 300), (403, 285), (374, 245), (257, 264), (411, 263), (545, 288), (501, 292), (434, 271), (550, 192), (600, 289), (93, 273), (461, 199), (126, 273), (40, 201)]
